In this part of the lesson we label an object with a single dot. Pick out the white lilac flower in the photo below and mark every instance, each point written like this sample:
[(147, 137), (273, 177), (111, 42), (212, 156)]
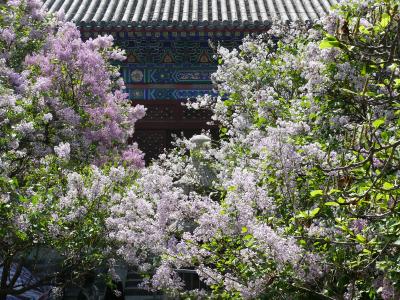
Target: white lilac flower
[(63, 150), (47, 117)]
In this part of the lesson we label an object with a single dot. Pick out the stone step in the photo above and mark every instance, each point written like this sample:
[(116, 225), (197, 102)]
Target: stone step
[(71, 292), (133, 282), (133, 275), (159, 297), (135, 291)]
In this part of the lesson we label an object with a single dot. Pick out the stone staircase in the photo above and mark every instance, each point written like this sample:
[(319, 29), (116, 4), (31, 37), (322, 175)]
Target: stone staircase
[(130, 278), (133, 291), (131, 281)]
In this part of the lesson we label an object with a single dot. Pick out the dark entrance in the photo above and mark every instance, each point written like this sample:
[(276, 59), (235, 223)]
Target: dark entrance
[(164, 120)]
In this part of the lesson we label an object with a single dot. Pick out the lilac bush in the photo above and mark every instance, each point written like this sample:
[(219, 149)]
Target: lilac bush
[(68, 72), (299, 199), (65, 122)]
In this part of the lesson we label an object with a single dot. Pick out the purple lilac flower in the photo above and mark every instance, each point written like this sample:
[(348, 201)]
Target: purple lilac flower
[(7, 35)]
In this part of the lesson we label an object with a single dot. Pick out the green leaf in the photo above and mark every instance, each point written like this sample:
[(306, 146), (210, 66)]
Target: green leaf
[(332, 204), (326, 44), (232, 188), (308, 214), (393, 66), (22, 198), (384, 135), (333, 191), (364, 70), (316, 193), (244, 229), (385, 20), (377, 123), (360, 238), (366, 251), (349, 91), (363, 29), (247, 237), (388, 186), (261, 121), (302, 215), (35, 199), (21, 235), (314, 212), (228, 103), (330, 37), (14, 182)]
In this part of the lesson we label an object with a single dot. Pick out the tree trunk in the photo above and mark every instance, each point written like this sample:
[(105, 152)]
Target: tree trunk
[(7, 263)]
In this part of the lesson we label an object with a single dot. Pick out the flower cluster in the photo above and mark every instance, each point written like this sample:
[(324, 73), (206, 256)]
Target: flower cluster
[(299, 197), (65, 123)]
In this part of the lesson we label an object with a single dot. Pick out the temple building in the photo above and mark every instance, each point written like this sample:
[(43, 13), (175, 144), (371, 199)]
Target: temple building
[(169, 58)]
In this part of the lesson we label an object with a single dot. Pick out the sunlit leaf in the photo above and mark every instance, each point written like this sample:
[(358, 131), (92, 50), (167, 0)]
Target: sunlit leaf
[(316, 193), (332, 204), (388, 186), (385, 20), (379, 122)]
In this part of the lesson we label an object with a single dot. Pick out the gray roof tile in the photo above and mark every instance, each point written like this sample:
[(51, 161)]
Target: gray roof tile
[(192, 13)]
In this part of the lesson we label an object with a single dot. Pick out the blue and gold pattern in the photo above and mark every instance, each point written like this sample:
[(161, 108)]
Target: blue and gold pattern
[(189, 73), (167, 94), (171, 67)]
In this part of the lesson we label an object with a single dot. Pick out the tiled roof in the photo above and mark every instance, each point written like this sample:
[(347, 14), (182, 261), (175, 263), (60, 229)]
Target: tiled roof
[(187, 13)]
